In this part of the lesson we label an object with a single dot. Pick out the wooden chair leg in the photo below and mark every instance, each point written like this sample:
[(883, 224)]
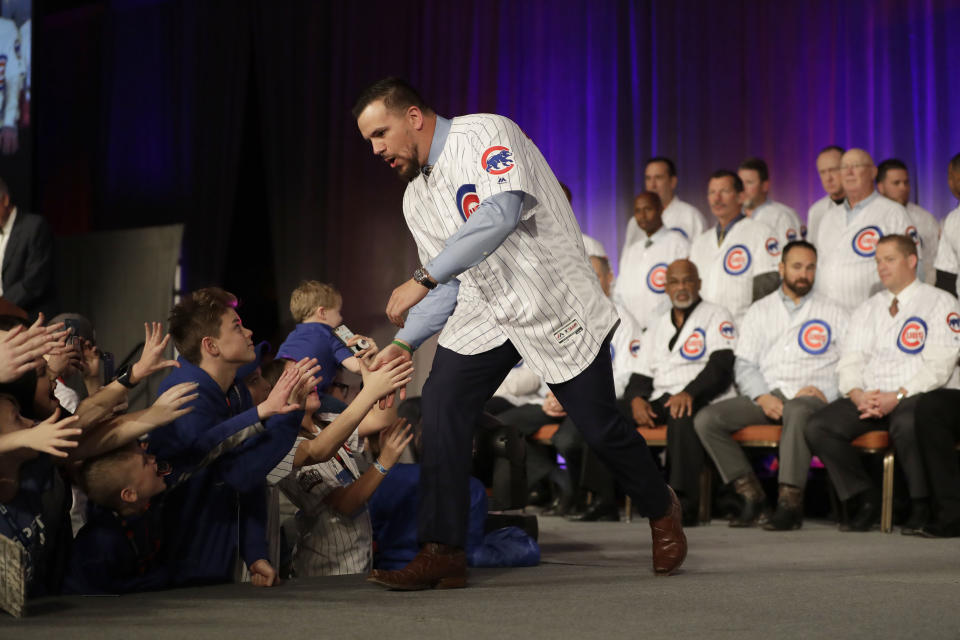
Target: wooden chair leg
[(886, 511), (706, 493)]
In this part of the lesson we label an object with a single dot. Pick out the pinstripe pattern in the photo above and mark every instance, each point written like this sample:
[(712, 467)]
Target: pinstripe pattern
[(842, 274), (538, 282), (815, 215), (634, 288), (948, 250), (735, 292), (670, 370), (781, 218), (771, 338), (927, 238), (625, 350)]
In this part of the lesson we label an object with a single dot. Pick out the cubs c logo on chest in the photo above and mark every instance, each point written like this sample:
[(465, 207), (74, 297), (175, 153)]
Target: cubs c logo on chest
[(657, 277), (467, 200), (695, 345), (865, 241), (912, 335), (737, 260), (814, 337)]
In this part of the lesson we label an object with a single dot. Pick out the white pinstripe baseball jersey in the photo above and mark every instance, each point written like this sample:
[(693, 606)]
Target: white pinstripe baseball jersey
[(727, 271), (328, 543), (625, 350), (537, 289), (641, 283), (846, 270), (680, 216), (815, 214), (709, 328), (916, 349), (925, 231), (782, 219), (794, 350), (948, 249)]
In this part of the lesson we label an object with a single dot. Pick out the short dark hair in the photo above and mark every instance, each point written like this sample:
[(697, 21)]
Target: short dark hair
[(198, 316), (832, 147), (671, 168), (758, 165), (396, 93), (955, 162), (886, 165), (726, 173), (796, 244), (905, 244), (653, 198)]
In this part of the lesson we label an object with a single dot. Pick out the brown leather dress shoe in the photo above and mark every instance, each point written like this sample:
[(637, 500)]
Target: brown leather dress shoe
[(669, 541), (436, 566)]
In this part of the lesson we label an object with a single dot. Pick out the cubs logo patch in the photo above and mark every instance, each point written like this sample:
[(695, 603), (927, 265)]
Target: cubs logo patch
[(497, 160), (814, 337), (773, 247), (657, 277), (803, 231), (680, 231), (737, 260), (953, 321), (913, 234), (634, 348), (727, 330), (467, 200), (695, 345), (912, 335), (865, 242), (791, 235)]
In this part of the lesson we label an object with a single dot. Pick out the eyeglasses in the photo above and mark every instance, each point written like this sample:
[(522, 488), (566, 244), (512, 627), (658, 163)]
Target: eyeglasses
[(858, 165)]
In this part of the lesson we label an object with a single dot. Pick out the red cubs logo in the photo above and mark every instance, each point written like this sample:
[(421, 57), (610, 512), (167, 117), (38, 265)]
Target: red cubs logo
[(814, 337), (695, 345), (497, 160), (467, 200), (634, 348), (657, 277), (727, 330), (791, 235), (912, 335), (953, 321), (865, 242), (913, 234), (773, 247), (737, 260)]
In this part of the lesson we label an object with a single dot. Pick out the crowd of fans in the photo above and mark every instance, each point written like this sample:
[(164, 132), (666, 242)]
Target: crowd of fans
[(831, 329)]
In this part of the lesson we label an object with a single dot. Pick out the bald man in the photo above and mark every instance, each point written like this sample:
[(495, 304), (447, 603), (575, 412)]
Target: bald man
[(847, 236), (828, 168)]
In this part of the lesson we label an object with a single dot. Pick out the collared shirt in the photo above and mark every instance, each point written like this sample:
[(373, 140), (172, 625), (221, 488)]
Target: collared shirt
[(722, 231), (788, 302), (4, 239), (852, 211)]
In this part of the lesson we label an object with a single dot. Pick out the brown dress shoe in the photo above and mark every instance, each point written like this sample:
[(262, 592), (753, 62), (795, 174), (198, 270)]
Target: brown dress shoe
[(669, 541), (436, 566)]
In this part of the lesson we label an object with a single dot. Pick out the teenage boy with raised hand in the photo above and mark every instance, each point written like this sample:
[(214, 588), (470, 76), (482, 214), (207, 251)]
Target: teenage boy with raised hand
[(221, 509)]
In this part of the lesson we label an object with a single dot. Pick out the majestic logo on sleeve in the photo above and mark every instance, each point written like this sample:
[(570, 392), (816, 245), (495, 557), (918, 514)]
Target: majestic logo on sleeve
[(792, 235), (497, 160), (737, 260), (773, 247), (695, 345), (912, 336), (814, 337), (634, 348), (467, 200), (953, 321), (914, 235), (865, 242), (657, 277), (727, 330)]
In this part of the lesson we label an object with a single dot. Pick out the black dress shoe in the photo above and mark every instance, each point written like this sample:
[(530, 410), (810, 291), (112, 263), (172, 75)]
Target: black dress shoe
[(599, 511), (936, 529), (919, 516), (754, 513), (784, 519), (867, 515)]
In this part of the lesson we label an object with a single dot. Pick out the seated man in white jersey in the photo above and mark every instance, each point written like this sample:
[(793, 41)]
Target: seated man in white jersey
[(903, 342), (641, 283), (893, 181), (686, 362), (847, 236), (660, 177), (758, 205), (948, 252), (736, 260), (785, 370), (828, 168)]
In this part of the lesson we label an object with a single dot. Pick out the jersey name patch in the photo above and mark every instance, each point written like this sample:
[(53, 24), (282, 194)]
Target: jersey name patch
[(865, 242), (912, 335), (467, 200), (657, 277), (497, 160), (569, 329), (695, 345), (737, 260), (814, 337)]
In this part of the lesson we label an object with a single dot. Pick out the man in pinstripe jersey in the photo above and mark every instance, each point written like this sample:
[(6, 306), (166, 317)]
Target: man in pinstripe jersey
[(505, 276)]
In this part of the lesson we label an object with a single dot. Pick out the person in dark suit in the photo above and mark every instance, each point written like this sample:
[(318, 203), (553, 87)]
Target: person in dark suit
[(26, 258)]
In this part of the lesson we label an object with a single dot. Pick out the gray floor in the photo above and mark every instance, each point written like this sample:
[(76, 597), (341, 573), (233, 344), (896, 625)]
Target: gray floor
[(595, 581)]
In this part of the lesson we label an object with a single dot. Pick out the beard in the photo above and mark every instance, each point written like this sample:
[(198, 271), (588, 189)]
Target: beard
[(800, 286), (683, 304)]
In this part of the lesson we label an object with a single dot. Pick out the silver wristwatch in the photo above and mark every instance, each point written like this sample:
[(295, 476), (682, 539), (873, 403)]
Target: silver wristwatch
[(422, 277)]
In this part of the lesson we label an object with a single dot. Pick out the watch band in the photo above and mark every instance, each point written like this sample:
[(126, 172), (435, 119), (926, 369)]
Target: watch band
[(423, 277), (901, 395), (123, 377)]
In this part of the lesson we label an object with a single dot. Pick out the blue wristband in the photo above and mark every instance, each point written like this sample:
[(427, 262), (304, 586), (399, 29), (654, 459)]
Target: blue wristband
[(383, 470)]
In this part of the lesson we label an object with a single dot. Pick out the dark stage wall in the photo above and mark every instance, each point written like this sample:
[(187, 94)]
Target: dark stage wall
[(234, 116)]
